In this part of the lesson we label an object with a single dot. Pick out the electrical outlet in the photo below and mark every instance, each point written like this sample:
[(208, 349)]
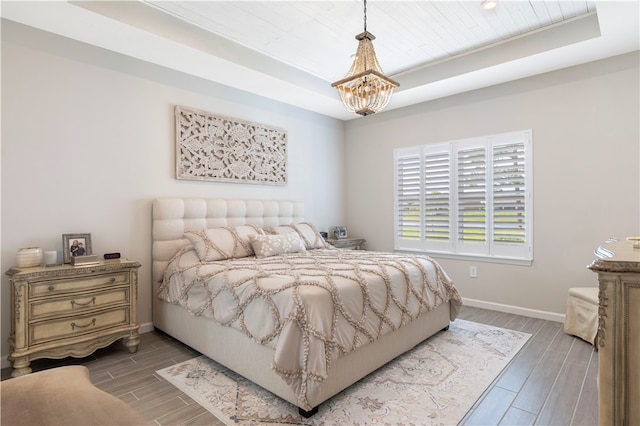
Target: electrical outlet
[(473, 271)]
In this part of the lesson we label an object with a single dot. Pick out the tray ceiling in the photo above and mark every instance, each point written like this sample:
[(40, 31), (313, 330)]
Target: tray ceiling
[(291, 51), (318, 37)]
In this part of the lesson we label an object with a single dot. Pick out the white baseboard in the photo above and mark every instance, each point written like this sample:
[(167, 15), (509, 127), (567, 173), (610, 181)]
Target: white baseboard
[(147, 327), (534, 313), (144, 328)]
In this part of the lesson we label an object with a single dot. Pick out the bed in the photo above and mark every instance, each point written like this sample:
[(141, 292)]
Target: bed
[(254, 287)]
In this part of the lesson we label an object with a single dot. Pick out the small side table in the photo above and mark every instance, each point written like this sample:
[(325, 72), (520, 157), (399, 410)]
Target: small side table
[(69, 310), (348, 243)]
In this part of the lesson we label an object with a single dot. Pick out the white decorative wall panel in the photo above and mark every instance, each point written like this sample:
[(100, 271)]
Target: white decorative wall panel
[(217, 148)]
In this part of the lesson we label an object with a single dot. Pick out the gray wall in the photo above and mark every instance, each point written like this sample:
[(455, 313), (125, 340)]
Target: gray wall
[(586, 188), (88, 142)]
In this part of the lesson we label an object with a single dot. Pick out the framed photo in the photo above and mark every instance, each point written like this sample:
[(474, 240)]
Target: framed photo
[(74, 245), (340, 232)]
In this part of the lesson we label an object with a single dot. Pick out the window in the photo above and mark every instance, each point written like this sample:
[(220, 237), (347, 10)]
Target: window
[(470, 197)]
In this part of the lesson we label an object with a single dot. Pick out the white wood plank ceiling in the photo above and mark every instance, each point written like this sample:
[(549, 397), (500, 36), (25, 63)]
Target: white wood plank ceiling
[(290, 51), (318, 37)]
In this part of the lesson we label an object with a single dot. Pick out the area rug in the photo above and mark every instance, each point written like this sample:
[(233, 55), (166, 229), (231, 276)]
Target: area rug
[(437, 382)]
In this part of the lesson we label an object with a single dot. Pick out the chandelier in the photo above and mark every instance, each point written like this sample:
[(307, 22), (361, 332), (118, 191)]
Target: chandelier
[(365, 89)]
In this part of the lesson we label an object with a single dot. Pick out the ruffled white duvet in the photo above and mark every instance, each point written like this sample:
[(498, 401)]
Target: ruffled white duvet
[(313, 306)]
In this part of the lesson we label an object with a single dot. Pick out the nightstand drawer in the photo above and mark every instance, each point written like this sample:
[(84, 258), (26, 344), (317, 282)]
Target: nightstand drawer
[(348, 243), (66, 285), (61, 328), (78, 303)]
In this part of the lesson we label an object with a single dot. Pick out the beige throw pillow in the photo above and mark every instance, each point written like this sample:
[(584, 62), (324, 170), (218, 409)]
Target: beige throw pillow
[(229, 242), (273, 245), (307, 231)]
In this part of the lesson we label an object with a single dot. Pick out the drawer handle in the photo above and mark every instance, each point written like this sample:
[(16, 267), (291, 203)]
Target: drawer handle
[(74, 325), (51, 288), (93, 300), (112, 279)]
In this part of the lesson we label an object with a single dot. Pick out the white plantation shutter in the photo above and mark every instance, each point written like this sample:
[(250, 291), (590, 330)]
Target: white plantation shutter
[(472, 199), (508, 193), (408, 199), (437, 197), (511, 190), (466, 198)]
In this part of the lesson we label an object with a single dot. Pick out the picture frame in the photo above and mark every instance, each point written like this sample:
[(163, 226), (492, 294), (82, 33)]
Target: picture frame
[(75, 245), (340, 232)]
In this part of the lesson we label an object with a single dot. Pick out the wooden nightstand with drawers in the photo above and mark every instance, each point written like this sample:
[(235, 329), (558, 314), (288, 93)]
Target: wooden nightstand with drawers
[(69, 310)]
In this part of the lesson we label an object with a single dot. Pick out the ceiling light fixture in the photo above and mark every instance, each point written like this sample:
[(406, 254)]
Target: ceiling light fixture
[(365, 89), (489, 4)]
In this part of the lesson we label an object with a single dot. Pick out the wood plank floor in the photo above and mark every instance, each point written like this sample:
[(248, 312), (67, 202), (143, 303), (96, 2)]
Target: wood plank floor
[(552, 381)]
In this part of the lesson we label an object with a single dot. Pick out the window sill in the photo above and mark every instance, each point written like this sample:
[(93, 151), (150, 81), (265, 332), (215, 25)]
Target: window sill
[(471, 257)]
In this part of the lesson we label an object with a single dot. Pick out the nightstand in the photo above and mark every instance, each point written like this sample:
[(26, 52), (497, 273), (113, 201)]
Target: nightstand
[(348, 243), (69, 310)]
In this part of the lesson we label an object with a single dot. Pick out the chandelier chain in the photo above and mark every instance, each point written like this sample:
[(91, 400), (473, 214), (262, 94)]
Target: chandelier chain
[(365, 15)]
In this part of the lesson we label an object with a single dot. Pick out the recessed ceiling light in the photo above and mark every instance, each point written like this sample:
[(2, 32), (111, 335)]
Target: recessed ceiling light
[(488, 4)]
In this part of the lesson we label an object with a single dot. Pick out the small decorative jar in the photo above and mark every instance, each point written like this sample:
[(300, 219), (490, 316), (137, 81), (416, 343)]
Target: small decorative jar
[(28, 257)]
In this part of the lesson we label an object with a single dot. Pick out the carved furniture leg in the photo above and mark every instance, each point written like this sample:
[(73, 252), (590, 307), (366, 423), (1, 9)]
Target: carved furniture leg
[(20, 366), (132, 342)]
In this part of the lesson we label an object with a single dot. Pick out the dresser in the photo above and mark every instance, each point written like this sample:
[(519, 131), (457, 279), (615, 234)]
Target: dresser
[(347, 243), (69, 310), (618, 269)]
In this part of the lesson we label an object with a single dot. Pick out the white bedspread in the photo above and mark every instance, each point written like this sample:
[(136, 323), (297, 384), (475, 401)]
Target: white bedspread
[(313, 306)]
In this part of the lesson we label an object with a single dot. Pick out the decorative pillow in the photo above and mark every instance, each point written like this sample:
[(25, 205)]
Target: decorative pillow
[(307, 231), (272, 245), (279, 230), (228, 242)]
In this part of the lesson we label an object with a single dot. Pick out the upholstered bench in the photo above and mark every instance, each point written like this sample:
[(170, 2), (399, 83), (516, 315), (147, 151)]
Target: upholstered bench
[(62, 396), (582, 313)]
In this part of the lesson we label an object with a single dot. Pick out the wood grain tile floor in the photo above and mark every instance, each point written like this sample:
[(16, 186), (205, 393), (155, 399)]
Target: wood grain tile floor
[(552, 381)]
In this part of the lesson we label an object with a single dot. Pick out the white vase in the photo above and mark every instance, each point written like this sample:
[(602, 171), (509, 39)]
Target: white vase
[(28, 257)]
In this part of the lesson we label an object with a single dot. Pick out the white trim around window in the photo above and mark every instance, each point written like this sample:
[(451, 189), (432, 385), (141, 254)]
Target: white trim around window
[(470, 198)]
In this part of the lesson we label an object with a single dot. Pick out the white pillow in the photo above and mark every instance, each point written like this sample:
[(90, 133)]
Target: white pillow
[(228, 242), (309, 234), (273, 245)]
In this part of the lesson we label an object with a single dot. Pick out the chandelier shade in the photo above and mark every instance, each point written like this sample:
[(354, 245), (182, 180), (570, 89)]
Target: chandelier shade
[(365, 89)]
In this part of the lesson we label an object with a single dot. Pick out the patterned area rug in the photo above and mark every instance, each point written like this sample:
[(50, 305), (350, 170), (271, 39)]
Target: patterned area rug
[(437, 382)]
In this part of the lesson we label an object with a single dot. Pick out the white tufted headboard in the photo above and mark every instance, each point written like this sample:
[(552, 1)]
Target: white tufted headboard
[(173, 216)]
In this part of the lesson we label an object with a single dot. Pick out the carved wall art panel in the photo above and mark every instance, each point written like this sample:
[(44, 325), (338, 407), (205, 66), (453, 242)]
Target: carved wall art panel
[(217, 148)]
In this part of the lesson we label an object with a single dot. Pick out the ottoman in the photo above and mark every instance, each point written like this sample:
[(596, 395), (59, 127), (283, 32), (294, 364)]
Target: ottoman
[(62, 396), (582, 313)]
